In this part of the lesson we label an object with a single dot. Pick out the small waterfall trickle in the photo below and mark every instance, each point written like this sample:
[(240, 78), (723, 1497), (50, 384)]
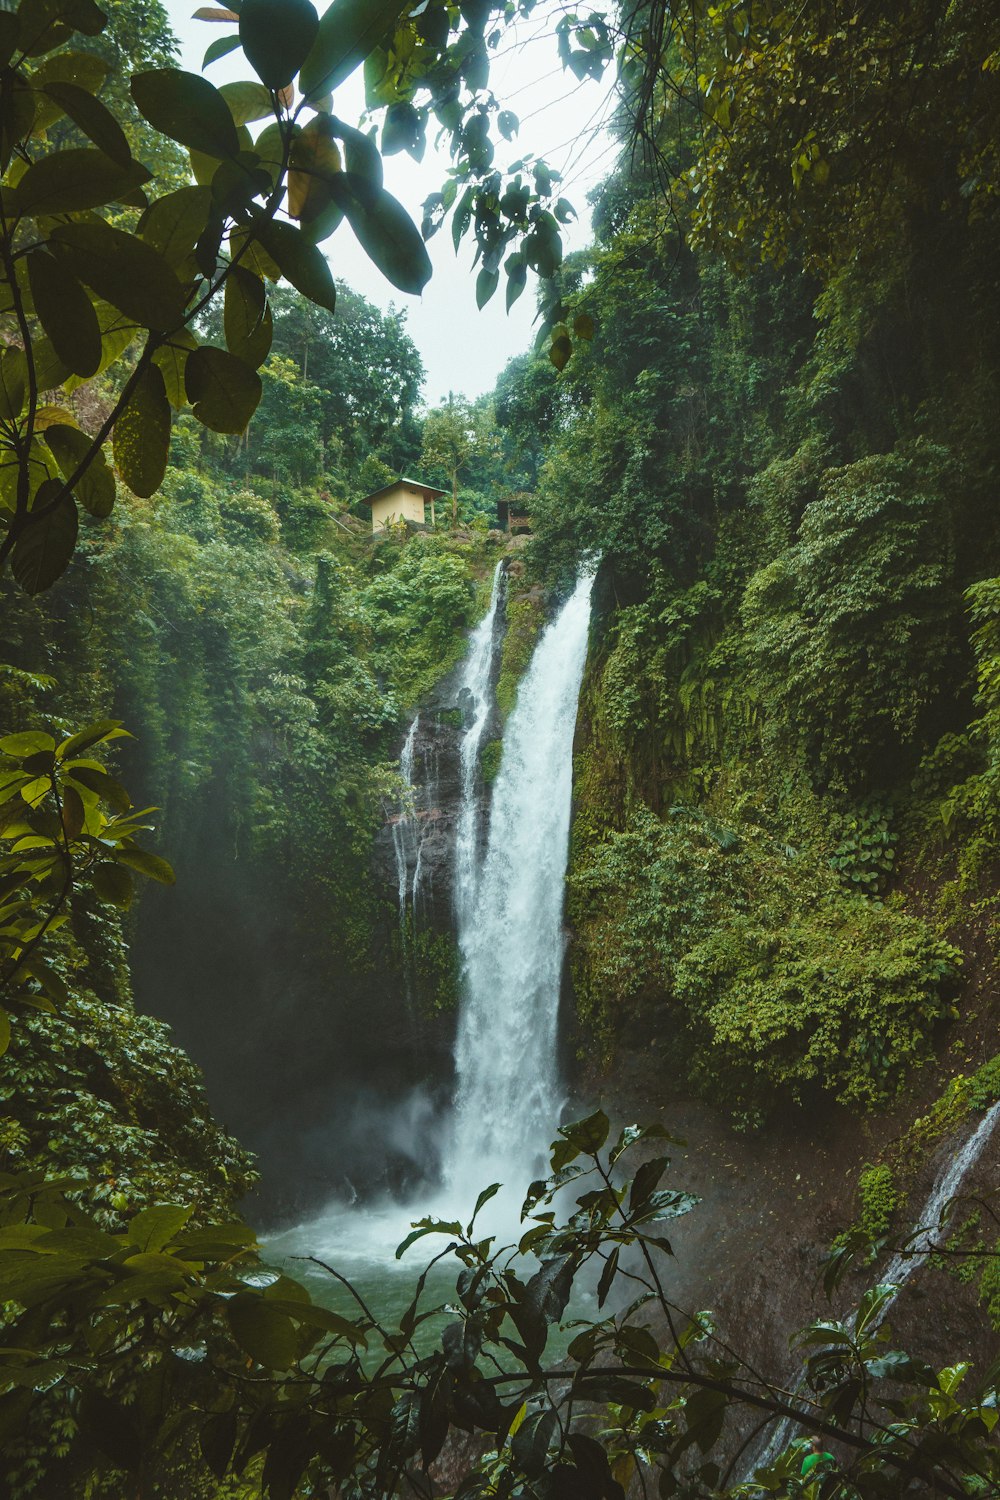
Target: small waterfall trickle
[(476, 701), (920, 1245), (406, 840), (897, 1273), (510, 924)]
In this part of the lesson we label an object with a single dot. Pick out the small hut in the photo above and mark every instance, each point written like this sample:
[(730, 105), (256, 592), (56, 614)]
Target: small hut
[(513, 513), (403, 500)]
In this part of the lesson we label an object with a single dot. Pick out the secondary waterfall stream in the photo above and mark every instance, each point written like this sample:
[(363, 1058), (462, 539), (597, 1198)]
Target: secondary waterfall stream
[(475, 697), (919, 1245), (508, 912), (406, 844)]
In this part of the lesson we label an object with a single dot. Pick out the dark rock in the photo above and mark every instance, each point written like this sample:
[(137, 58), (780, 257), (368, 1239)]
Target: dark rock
[(424, 842)]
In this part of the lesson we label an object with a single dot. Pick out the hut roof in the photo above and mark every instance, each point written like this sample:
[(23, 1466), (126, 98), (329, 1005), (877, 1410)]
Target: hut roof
[(428, 491)]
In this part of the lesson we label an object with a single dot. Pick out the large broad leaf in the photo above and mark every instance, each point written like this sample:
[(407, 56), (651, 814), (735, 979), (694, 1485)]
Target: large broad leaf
[(142, 435), (112, 884), (173, 225), (348, 31), (299, 262), (74, 180), (248, 322), (277, 37), (361, 155), (385, 231), (17, 117), (186, 108), (9, 31), (152, 1228), (112, 1427), (84, 69), (13, 382), (219, 49), (93, 118), (171, 361), (589, 1134), (266, 1334), (45, 546), (94, 734), (530, 1443), (217, 1439), (45, 24), (125, 271), (223, 390), (247, 101), (65, 312), (95, 489), (28, 742), (148, 864), (270, 147), (313, 162)]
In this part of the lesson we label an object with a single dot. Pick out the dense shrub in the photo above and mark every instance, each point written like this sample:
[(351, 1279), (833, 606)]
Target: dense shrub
[(784, 984), (852, 630)]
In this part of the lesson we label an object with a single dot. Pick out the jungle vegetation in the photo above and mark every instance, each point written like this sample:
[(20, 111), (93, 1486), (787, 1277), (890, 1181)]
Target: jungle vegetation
[(767, 399)]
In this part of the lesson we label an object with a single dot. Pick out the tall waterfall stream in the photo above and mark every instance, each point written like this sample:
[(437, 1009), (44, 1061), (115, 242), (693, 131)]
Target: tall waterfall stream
[(508, 912)]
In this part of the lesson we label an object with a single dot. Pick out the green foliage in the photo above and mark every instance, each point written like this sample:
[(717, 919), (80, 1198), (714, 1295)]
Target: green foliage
[(865, 848), (100, 1095), (289, 447), (417, 613), (93, 293), (868, 580), (781, 984), (173, 1340), (525, 618), (878, 1200), (65, 822), (456, 436), (489, 761), (435, 964), (984, 1085)]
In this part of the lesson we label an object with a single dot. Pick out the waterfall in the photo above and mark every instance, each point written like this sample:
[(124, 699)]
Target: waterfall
[(902, 1266), (406, 840), (509, 906), (475, 699), (510, 922)]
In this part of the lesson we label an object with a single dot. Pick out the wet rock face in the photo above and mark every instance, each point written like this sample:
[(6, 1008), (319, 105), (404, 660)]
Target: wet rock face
[(421, 843)]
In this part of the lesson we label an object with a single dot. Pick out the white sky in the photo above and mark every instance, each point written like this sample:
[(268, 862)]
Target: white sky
[(562, 121)]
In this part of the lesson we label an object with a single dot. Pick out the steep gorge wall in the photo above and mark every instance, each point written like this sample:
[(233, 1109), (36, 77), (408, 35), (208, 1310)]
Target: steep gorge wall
[(782, 974)]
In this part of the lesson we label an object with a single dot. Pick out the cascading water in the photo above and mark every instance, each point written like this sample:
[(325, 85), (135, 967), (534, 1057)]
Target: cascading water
[(919, 1243), (509, 906), (406, 846), (510, 924), (476, 699)]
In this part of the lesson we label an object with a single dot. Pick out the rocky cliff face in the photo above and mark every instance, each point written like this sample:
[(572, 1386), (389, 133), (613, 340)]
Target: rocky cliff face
[(413, 856)]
